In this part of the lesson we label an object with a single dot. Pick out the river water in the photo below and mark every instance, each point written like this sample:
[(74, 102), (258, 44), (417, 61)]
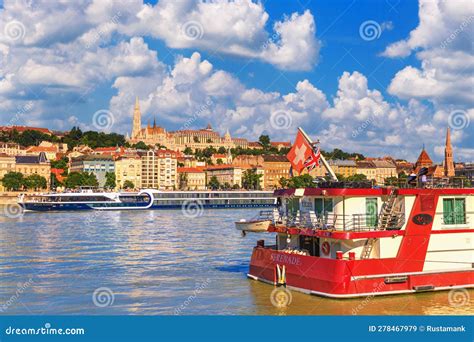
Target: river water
[(160, 263)]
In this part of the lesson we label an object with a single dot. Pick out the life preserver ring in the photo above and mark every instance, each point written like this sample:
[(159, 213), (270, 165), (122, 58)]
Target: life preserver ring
[(326, 248)]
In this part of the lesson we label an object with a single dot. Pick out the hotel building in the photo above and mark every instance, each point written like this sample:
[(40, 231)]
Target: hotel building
[(159, 169)]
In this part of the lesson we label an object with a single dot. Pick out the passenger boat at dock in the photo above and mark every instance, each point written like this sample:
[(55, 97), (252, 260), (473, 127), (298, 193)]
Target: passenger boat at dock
[(146, 199), (351, 242)]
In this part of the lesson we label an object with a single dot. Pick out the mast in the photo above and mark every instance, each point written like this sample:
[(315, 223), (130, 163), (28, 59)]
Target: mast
[(323, 160)]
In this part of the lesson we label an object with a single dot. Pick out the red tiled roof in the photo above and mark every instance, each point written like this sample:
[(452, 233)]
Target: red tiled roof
[(424, 158), (105, 149), (41, 149), (24, 128), (219, 155)]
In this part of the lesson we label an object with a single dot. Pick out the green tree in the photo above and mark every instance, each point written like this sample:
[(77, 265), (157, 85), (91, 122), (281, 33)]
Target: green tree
[(236, 186), (195, 139), (188, 151), (219, 161), (283, 182), (110, 180), (183, 181), (74, 180), (35, 182), (358, 177), (226, 186), (221, 150), (128, 184), (264, 140), (73, 137), (251, 180), (89, 179), (77, 179), (141, 146), (214, 183), (303, 181), (30, 138), (13, 181)]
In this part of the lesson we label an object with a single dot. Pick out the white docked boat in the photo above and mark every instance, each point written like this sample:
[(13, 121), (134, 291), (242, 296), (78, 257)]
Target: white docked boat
[(257, 224)]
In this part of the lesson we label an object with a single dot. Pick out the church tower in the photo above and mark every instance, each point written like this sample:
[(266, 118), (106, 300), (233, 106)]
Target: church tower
[(137, 120), (448, 156), (227, 136)]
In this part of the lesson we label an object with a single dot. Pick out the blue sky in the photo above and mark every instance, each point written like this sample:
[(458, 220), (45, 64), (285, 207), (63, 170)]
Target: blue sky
[(250, 68)]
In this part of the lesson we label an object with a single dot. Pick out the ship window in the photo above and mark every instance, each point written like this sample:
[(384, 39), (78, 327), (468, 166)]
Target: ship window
[(454, 211), (323, 205)]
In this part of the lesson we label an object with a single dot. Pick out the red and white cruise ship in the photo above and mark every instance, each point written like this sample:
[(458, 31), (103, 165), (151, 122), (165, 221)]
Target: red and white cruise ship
[(351, 242)]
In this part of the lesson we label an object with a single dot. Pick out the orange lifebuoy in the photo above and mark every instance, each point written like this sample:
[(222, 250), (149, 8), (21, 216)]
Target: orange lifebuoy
[(326, 248)]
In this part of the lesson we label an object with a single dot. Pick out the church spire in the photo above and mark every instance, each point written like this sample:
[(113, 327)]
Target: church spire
[(448, 156), (137, 119), (154, 122)]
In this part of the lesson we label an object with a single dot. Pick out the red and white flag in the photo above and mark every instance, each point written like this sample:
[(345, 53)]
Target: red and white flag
[(313, 160), (302, 154)]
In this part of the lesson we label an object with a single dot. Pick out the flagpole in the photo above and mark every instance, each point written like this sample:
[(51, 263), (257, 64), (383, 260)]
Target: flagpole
[(325, 163)]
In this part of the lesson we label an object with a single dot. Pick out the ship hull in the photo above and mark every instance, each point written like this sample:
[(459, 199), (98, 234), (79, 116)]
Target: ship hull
[(46, 207), (351, 278)]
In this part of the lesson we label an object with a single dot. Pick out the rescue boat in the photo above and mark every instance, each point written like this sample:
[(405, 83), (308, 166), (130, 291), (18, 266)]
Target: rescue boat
[(350, 242)]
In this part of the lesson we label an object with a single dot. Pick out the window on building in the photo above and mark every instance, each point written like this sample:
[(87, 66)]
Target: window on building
[(454, 211)]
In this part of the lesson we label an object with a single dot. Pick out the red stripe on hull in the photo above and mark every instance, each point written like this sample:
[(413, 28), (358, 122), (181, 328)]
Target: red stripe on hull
[(349, 278)]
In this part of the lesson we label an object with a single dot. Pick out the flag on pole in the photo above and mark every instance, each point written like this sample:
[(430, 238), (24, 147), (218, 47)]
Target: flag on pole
[(302, 155), (313, 160)]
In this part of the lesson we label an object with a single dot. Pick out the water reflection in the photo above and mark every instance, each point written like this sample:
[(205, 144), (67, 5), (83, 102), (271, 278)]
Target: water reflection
[(157, 262)]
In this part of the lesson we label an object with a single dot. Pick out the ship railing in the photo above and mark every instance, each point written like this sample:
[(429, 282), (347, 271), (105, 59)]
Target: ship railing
[(339, 222), (435, 183)]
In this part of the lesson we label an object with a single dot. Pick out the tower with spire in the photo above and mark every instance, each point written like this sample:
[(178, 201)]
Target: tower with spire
[(137, 119), (448, 156)]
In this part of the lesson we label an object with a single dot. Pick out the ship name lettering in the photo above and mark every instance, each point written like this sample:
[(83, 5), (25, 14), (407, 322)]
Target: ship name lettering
[(286, 259)]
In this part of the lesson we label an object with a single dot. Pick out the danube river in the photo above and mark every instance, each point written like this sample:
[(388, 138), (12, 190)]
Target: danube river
[(159, 263)]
